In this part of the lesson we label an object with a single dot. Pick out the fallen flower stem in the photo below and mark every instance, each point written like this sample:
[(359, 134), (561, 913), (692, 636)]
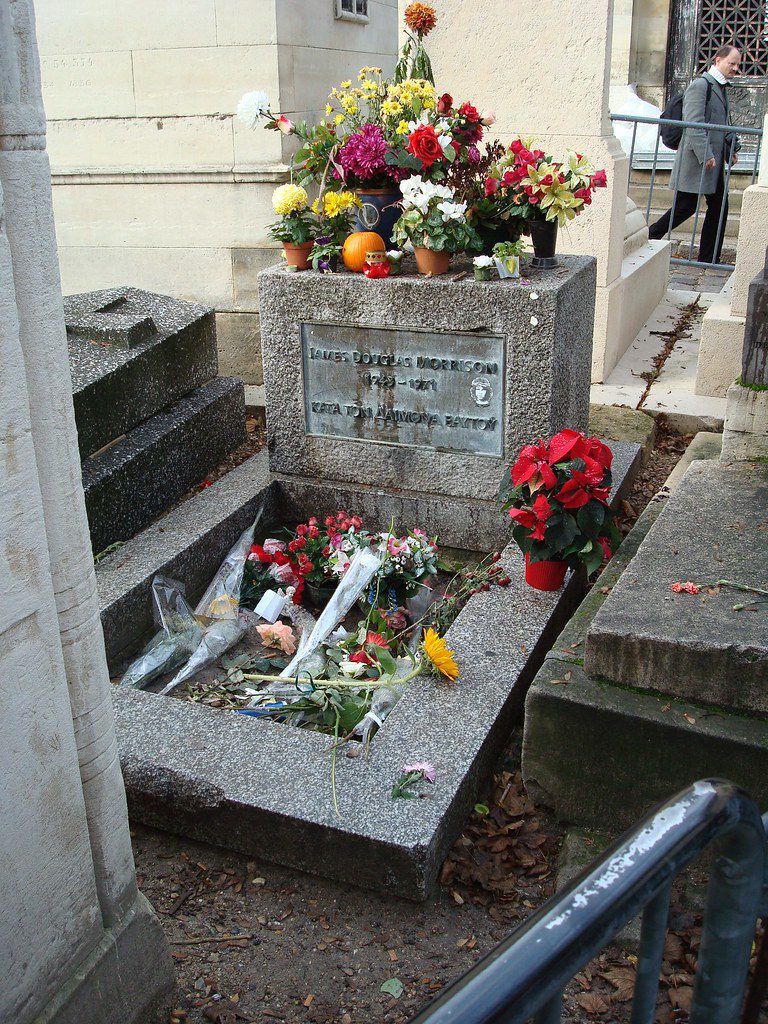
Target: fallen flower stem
[(212, 938), (740, 586)]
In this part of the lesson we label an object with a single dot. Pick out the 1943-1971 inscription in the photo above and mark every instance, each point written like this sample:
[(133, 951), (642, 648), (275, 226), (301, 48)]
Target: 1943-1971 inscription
[(402, 386)]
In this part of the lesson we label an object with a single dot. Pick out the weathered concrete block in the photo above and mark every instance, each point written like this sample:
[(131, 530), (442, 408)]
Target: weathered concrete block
[(131, 353), (698, 648), (745, 435), (134, 480), (238, 340), (435, 383), (601, 755)]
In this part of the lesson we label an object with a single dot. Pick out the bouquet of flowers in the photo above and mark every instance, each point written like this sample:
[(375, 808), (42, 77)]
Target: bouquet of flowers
[(268, 567), (410, 558), (432, 219), (557, 496), (529, 185)]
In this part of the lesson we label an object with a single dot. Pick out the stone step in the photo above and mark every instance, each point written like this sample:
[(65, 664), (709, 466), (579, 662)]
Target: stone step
[(601, 755), (131, 353), (134, 480), (695, 647)]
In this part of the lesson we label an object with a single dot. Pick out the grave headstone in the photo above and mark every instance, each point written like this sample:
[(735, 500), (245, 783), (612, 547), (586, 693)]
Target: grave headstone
[(745, 433), (754, 366), (423, 386)]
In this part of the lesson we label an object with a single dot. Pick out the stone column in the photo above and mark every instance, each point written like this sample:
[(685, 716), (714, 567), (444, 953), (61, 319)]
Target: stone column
[(547, 76), (25, 178)]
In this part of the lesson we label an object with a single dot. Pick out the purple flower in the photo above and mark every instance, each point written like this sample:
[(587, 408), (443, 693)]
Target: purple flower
[(324, 240), (363, 154), (473, 154), (426, 769), (324, 266)]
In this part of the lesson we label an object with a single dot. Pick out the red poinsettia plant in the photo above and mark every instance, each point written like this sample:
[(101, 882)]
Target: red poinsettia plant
[(556, 494)]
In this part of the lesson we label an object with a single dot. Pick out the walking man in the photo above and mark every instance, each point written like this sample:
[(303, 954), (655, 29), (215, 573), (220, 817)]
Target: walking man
[(702, 159)]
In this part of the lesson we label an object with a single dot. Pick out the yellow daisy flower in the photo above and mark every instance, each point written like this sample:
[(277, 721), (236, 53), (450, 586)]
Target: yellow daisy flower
[(338, 119), (328, 109), (402, 128), (441, 659), (347, 84)]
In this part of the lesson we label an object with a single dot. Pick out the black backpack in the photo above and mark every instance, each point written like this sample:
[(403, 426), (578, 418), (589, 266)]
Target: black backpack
[(672, 134)]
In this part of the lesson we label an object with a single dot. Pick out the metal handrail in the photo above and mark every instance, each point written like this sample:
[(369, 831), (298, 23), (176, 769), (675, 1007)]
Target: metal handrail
[(526, 974), (688, 124)]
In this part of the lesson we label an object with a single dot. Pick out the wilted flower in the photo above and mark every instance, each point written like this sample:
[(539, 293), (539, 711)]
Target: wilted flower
[(426, 769), (278, 634)]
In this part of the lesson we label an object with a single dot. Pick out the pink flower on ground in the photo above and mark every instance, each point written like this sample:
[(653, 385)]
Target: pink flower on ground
[(687, 588), (278, 634), (426, 769), (283, 574)]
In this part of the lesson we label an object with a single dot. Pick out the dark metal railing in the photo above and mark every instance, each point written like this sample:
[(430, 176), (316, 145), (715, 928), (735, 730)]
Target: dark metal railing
[(751, 134), (525, 976)]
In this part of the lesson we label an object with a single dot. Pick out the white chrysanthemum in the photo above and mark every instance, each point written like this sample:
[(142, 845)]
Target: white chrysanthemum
[(252, 107), (483, 261)]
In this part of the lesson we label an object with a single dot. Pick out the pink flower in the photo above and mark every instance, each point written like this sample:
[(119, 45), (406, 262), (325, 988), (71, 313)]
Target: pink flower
[(488, 117), (687, 588), (271, 545), (491, 185), (278, 634), (599, 179), (426, 769), (363, 155), (285, 125)]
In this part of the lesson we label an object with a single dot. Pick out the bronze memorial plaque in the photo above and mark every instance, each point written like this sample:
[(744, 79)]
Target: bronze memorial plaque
[(404, 386)]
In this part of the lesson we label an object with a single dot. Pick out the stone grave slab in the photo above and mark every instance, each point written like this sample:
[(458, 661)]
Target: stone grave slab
[(131, 353), (264, 788), (599, 754), (697, 648), (131, 482), (429, 384)]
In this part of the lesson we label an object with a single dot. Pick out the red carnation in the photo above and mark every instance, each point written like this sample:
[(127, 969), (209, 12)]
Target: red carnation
[(361, 658), (424, 144)]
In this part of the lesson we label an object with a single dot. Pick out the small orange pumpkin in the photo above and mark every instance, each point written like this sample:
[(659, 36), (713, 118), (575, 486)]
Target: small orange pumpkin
[(357, 245)]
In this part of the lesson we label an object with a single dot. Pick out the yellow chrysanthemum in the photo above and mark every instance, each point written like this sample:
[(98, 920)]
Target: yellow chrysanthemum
[(289, 199), (402, 128), (391, 109), (346, 84), (349, 105), (441, 658), (336, 203), (328, 109), (316, 206), (339, 119)]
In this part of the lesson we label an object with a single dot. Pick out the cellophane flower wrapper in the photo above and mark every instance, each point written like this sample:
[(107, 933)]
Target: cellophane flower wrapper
[(219, 609), (179, 636), (363, 567)]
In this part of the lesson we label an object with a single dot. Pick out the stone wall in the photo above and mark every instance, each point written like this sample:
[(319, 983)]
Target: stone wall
[(156, 183)]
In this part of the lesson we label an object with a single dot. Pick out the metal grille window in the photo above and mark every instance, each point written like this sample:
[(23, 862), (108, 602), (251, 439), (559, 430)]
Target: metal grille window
[(742, 23), (352, 10)]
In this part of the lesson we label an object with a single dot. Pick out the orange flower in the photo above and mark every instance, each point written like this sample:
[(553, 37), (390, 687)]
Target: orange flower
[(420, 18)]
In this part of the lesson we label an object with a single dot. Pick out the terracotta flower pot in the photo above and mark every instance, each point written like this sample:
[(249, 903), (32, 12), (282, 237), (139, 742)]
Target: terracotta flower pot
[(430, 262), (297, 255), (545, 575)]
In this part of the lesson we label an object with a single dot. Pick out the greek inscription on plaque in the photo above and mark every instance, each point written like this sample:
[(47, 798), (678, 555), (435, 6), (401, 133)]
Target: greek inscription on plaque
[(404, 386)]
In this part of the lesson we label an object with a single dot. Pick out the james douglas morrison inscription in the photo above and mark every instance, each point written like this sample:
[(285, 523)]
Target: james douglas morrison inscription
[(404, 386)]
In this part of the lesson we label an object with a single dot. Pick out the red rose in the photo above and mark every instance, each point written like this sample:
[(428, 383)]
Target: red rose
[(491, 185), (585, 194), (424, 144), (445, 103), (469, 112)]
